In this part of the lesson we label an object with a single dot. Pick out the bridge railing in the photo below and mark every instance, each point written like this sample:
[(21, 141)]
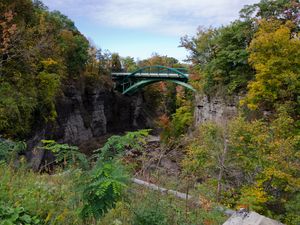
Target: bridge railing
[(152, 75), (157, 69)]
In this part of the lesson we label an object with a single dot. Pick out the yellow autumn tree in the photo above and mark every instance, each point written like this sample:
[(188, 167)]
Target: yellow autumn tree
[(275, 55)]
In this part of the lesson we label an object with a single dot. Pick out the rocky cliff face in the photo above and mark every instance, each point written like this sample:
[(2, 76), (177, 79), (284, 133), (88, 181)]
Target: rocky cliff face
[(85, 113), (214, 108)]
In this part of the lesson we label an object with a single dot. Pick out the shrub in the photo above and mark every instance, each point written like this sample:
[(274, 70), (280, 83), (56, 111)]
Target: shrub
[(151, 213), (293, 209), (16, 215), (103, 189), (179, 123), (9, 149), (252, 198), (49, 198), (260, 167), (116, 144), (204, 151), (66, 154), (120, 215)]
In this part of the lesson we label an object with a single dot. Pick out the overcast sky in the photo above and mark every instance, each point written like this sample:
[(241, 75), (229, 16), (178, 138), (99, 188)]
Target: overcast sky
[(140, 27)]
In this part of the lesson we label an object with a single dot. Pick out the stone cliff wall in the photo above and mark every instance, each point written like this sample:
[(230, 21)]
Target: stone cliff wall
[(93, 112), (85, 113), (214, 108)]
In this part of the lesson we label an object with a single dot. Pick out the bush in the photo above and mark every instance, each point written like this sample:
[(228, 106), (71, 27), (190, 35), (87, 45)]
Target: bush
[(103, 189), (178, 125), (66, 154), (120, 215), (49, 198), (293, 209), (152, 208), (116, 145), (151, 213), (16, 215), (9, 149), (259, 169)]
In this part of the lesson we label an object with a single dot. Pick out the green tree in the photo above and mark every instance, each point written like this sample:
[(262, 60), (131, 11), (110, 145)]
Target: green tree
[(74, 48), (38, 51), (220, 57), (282, 10), (129, 64), (275, 56), (157, 59), (116, 63), (103, 58), (260, 165)]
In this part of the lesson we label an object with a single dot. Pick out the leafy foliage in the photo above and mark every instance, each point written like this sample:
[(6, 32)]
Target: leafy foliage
[(204, 151), (49, 199), (9, 149), (17, 215), (151, 214), (68, 155), (40, 51), (116, 145), (283, 10), (34, 60), (181, 120), (121, 214), (116, 63), (254, 162), (129, 64), (274, 53), (261, 165), (157, 59), (268, 155), (162, 209), (178, 125), (104, 187), (220, 57), (292, 209)]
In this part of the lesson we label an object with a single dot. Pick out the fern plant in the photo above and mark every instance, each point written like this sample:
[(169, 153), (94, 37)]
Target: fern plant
[(116, 145), (66, 154), (103, 188)]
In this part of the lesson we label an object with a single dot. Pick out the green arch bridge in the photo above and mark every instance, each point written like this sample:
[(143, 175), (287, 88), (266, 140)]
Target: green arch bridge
[(129, 83)]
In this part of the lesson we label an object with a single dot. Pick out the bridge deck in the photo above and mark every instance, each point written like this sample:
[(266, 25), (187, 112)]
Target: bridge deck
[(142, 75)]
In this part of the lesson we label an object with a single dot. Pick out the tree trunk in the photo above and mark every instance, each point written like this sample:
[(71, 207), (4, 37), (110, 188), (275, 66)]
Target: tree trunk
[(222, 161)]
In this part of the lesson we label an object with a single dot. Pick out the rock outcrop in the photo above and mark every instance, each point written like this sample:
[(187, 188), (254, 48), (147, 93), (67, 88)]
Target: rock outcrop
[(85, 113), (214, 108), (243, 217)]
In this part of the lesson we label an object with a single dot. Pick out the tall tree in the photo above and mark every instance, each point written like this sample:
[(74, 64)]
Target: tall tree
[(129, 64), (274, 53), (38, 51), (116, 63), (220, 58)]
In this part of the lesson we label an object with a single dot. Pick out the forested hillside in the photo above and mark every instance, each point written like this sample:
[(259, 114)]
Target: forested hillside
[(250, 160), (40, 52)]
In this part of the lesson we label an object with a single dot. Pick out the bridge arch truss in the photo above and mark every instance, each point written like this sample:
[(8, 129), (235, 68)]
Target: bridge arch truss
[(129, 83)]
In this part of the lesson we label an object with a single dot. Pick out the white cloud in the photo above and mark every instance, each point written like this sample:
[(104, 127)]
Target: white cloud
[(171, 17)]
